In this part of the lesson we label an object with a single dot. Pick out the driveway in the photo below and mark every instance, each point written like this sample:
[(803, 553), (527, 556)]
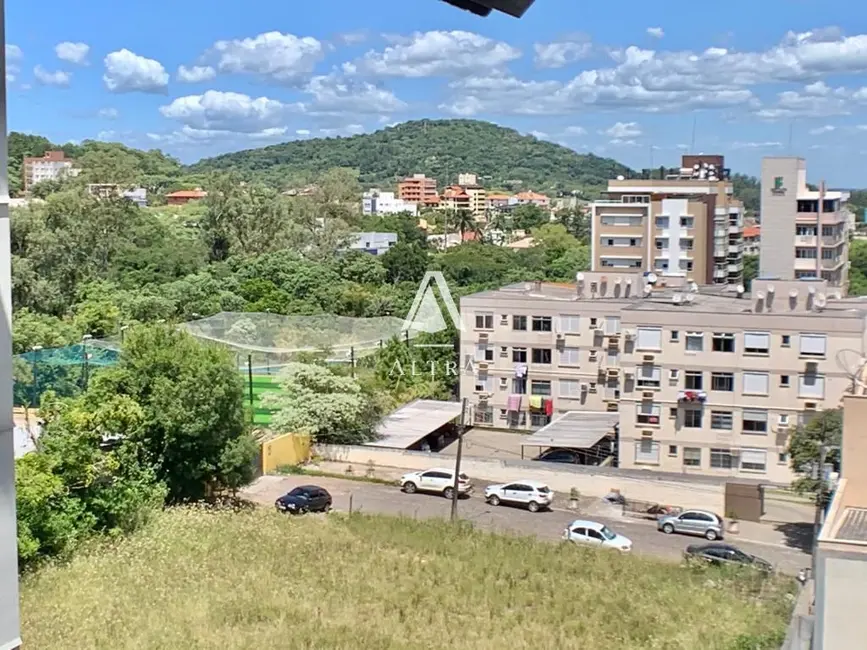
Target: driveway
[(388, 500)]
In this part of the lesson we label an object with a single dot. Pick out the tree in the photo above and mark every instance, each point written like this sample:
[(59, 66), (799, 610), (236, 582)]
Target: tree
[(405, 263), (825, 428), (332, 409), (751, 270), (528, 216), (463, 221), (192, 399)]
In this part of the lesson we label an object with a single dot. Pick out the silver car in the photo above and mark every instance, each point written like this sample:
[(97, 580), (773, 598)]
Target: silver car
[(693, 522)]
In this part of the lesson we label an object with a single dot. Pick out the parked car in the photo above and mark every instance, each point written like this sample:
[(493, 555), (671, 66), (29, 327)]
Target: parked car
[(568, 456), (593, 533), (304, 498), (439, 481), (725, 554), (693, 522), (533, 494)]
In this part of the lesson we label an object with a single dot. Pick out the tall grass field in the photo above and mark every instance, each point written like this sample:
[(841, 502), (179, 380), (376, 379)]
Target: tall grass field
[(199, 579)]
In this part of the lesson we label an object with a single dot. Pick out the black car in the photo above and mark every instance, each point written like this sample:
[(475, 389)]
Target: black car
[(568, 456), (725, 555), (304, 498)]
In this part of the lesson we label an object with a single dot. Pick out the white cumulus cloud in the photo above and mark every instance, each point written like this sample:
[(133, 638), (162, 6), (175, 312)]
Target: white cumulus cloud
[(195, 74), (108, 113), (48, 78), (335, 94), (126, 72), (283, 58), (435, 54), (563, 52), (13, 56), (232, 112), (656, 32), (72, 52), (828, 128), (621, 130)]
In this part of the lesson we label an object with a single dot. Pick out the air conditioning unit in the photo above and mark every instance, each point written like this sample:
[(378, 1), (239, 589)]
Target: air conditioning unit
[(648, 357), (482, 364), (811, 406), (647, 395), (483, 336)]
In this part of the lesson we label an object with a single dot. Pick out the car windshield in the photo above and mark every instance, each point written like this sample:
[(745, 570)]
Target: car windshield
[(607, 533), (297, 492)]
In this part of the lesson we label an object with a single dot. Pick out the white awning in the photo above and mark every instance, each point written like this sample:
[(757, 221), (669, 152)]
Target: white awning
[(410, 423), (575, 429)]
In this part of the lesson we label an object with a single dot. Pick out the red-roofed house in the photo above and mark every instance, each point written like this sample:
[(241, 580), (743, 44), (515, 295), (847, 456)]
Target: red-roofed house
[(752, 239), (531, 197), (455, 198), (182, 197)]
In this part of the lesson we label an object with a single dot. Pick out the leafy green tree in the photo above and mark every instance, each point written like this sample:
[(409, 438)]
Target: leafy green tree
[(826, 428), (405, 263), (528, 216), (192, 399), (361, 267), (331, 408), (463, 221), (751, 270), (30, 329)]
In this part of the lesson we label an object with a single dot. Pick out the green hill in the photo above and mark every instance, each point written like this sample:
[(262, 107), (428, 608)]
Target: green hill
[(442, 149)]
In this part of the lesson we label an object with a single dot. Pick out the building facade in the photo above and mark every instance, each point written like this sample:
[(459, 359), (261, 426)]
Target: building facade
[(805, 231), (686, 224), (705, 380), (375, 243), (467, 179), (455, 199), (376, 201), (418, 189), (52, 166), (182, 197)]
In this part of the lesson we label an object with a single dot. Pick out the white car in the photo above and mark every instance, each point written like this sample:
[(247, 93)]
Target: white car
[(595, 534), (437, 480), (533, 494)]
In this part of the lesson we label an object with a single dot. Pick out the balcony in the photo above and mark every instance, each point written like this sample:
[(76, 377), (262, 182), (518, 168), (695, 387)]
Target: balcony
[(734, 229), (805, 240), (832, 241), (832, 264), (735, 268), (719, 252), (736, 249)]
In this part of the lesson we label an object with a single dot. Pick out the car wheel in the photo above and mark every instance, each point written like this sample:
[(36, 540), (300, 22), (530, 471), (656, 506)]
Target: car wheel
[(449, 493), (710, 535), (533, 506), (409, 487), (668, 529), (494, 500)]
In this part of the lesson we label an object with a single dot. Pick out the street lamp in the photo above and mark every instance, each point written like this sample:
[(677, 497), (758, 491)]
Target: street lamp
[(123, 329)]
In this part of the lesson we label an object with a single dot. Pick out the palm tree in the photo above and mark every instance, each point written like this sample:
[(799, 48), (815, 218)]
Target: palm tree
[(465, 222)]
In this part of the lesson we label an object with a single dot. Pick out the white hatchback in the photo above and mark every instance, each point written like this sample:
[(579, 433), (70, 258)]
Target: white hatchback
[(533, 494), (595, 534), (440, 481)]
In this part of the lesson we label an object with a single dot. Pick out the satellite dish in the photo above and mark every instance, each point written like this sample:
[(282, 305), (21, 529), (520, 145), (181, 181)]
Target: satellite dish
[(741, 289), (652, 277), (579, 277)]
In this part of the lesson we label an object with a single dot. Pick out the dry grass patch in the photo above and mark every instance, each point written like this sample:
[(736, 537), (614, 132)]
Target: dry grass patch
[(196, 579)]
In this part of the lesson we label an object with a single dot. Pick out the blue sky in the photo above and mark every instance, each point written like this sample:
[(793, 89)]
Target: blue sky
[(626, 80)]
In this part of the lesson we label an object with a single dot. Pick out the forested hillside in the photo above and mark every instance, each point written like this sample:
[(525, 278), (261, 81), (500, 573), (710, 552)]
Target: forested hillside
[(439, 148)]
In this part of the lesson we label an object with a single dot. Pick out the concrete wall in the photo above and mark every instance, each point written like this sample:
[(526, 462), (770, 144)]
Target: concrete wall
[(288, 449), (669, 492), (778, 212), (841, 601), (854, 452)]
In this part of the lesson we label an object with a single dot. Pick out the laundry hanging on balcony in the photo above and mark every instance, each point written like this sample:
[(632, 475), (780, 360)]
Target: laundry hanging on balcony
[(536, 402), (521, 370), (549, 407), (513, 403), (691, 396)]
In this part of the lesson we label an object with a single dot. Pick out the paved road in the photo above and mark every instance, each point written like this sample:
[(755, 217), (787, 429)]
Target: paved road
[(388, 500)]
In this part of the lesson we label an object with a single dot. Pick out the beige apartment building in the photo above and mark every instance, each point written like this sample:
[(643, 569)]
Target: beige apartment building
[(686, 224), (804, 231), (706, 380)]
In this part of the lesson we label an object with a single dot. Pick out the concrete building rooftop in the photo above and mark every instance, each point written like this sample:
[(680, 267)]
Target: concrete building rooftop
[(853, 526)]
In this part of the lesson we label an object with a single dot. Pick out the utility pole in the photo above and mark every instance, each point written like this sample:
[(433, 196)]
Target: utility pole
[(820, 495), (461, 431)]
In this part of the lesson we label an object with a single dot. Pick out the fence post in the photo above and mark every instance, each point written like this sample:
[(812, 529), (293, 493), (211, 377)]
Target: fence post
[(352, 359)]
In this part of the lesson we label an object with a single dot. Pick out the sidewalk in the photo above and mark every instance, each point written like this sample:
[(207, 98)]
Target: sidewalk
[(790, 535)]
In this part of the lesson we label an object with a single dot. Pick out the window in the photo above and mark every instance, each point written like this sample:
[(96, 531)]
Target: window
[(484, 321), (612, 325), (504, 319), (570, 388), (694, 342), (813, 345), (784, 381), (693, 380), (757, 342), (648, 413), (542, 355), (504, 352), (692, 418), (519, 386), (504, 383), (785, 340), (662, 222), (672, 450), (723, 342), (569, 324), (673, 374), (722, 381), (649, 376), (649, 338), (756, 383), (484, 353), (783, 458), (755, 421), (686, 222), (646, 451), (540, 387), (519, 323), (484, 384), (593, 323), (672, 412), (519, 355), (675, 336), (541, 323), (721, 420), (811, 385), (569, 357), (721, 458), (692, 456), (755, 460)]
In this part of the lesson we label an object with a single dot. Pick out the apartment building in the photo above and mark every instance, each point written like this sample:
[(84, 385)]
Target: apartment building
[(467, 179), (706, 380), (376, 201), (456, 199), (683, 224), (805, 231), (478, 201), (52, 166), (418, 189), (752, 240)]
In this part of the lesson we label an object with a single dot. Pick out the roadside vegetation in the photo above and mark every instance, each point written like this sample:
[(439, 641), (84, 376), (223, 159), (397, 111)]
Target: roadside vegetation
[(194, 578)]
